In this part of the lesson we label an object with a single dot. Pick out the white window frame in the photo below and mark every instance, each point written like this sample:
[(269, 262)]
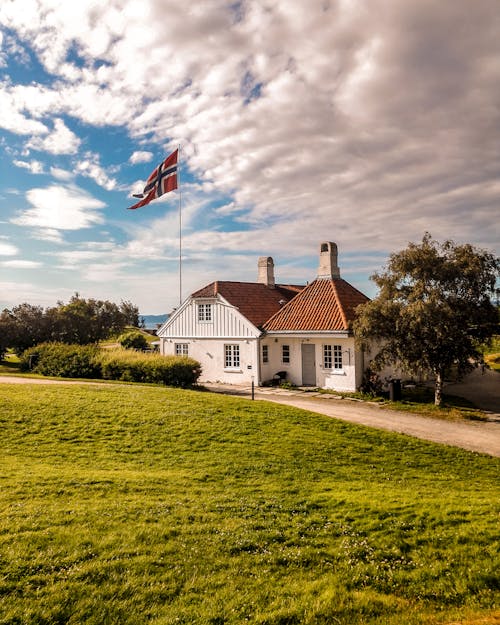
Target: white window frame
[(332, 357), (182, 349), (232, 358), (285, 354), (205, 313)]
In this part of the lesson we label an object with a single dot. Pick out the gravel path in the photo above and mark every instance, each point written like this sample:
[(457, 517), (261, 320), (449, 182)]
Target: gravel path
[(478, 436)]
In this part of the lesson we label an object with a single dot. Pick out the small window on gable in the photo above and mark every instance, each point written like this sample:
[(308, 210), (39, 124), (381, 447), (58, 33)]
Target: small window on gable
[(205, 312)]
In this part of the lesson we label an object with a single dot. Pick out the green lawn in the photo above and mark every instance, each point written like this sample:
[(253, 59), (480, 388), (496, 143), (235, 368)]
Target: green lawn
[(133, 505)]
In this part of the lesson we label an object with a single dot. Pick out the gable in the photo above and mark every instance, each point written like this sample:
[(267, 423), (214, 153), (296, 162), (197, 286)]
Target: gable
[(225, 321), (325, 305), (255, 301)]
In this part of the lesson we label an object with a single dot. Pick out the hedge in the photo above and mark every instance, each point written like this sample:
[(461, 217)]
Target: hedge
[(62, 360), (76, 361), (139, 367)]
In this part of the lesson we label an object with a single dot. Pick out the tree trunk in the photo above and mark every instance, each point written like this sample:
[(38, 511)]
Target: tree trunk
[(438, 389)]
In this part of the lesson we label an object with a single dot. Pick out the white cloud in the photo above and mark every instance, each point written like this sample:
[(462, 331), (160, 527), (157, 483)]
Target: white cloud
[(14, 118), (35, 167), (7, 249), (21, 264), (61, 208), (360, 123), (48, 234), (61, 174), (89, 167), (60, 141), (141, 157)]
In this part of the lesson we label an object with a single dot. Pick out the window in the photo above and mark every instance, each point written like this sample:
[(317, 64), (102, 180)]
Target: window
[(285, 354), (231, 356), (204, 312), (181, 349), (332, 356), (265, 353)]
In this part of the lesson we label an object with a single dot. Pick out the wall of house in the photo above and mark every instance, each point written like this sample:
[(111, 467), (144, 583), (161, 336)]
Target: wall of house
[(211, 354), (346, 379), (388, 372), (226, 321)]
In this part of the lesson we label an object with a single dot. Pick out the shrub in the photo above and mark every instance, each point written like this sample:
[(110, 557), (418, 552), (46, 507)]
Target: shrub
[(151, 368), (62, 360), (133, 339), (85, 361)]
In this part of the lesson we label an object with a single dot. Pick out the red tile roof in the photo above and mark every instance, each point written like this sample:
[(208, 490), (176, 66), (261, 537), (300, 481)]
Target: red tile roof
[(323, 305), (256, 301)]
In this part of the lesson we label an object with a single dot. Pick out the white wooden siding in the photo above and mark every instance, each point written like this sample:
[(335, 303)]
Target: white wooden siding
[(226, 322)]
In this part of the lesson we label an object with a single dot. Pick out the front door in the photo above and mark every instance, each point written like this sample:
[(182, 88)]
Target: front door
[(308, 365)]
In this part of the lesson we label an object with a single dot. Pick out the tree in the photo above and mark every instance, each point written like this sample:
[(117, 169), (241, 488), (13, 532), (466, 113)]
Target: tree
[(84, 321), (130, 313), (433, 310), (25, 325), (133, 340), (79, 321)]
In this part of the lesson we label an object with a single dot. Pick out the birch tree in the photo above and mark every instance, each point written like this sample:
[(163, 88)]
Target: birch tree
[(433, 311)]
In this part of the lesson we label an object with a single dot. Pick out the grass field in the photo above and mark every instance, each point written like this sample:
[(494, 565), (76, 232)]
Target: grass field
[(134, 505)]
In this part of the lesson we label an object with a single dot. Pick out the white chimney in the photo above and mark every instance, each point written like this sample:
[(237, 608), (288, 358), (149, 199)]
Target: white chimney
[(266, 271), (328, 267)]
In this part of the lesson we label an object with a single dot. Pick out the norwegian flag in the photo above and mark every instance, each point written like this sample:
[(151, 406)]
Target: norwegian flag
[(162, 180)]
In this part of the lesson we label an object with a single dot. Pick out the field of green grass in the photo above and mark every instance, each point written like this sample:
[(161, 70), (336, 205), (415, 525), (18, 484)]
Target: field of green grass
[(140, 505)]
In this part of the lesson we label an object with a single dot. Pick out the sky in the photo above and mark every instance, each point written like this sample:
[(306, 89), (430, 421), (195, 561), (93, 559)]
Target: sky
[(366, 123)]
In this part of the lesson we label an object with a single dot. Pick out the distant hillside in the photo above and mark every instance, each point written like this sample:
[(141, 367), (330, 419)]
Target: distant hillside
[(151, 321)]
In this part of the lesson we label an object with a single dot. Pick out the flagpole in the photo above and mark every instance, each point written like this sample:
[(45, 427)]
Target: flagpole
[(180, 222)]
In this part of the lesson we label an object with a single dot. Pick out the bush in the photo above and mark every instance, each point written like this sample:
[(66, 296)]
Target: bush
[(152, 368), (85, 361), (62, 360), (133, 340)]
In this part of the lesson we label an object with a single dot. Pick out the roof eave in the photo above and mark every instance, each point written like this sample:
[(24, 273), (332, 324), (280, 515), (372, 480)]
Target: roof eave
[(318, 333)]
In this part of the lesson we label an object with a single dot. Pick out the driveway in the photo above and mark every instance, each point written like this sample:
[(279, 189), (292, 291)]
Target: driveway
[(482, 388), (478, 436)]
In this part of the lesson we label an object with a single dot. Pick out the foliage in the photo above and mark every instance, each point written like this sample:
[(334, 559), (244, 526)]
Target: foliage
[(130, 366), (133, 339), (491, 353), (24, 326), (5, 336), (371, 383), (433, 310), (150, 505), (79, 321), (87, 361), (61, 360)]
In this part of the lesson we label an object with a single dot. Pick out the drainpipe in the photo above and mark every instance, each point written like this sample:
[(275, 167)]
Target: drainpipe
[(257, 360)]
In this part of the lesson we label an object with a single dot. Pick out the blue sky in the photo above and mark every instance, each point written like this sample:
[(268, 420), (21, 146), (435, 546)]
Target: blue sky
[(300, 121)]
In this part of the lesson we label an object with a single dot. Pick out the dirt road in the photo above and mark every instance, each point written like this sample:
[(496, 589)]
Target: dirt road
[(479, 436)]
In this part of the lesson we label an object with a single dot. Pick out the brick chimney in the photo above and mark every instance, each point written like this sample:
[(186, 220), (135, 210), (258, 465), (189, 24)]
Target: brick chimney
[(328, 267), (266, 271)]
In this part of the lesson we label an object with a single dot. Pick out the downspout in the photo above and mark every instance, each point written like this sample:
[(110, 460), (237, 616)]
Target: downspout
[(257, 360)]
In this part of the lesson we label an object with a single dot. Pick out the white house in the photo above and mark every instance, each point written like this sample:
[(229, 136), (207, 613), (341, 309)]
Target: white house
[(252, 331)]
